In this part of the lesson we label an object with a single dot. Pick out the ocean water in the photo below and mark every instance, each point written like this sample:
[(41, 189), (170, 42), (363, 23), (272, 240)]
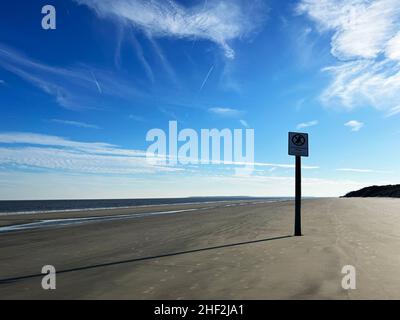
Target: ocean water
[(40, 206), (64, 222)]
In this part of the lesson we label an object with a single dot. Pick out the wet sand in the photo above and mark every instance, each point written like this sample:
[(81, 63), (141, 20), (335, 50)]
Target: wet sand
[(242, 250)]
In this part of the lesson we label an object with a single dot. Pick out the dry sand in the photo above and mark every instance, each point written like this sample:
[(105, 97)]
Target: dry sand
[(236, 252)]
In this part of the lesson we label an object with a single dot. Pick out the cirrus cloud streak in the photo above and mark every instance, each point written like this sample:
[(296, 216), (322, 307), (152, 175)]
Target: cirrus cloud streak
[(219, 21)]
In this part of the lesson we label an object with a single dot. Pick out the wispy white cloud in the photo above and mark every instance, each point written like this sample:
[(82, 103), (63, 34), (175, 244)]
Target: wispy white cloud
[(366, 41), (362, 170), (225, 112), (362, 28), (258, 164), (393, 111), (120, 34), (354, 125), (73, 87), (30, 150), (142, 58), (26, 138), (21, 150), (307, 124), (164, 61), (281, 165), (219, 21), (393, 48), (76, 123), (365, 82)]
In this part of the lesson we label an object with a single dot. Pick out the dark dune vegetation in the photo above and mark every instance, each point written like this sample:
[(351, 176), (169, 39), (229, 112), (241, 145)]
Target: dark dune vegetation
[(391, 191)]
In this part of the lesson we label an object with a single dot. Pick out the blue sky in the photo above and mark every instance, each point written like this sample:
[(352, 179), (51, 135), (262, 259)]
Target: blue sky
[(76, 102)]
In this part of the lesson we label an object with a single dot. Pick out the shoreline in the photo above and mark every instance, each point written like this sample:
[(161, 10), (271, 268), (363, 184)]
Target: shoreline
[(5, 213), (20, 219)]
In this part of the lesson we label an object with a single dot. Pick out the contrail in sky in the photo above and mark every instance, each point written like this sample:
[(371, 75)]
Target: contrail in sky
[(96, 82), (206, 78)]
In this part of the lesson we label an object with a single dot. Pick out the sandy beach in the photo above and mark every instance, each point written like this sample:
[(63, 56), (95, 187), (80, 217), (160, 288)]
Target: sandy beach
[(240, 250)]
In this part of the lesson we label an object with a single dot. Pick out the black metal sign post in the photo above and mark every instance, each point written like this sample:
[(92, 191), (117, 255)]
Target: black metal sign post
[(298, 146), (297, 220)]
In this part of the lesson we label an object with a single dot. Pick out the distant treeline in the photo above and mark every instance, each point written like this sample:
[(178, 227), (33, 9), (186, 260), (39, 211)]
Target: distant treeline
[(392, 191)]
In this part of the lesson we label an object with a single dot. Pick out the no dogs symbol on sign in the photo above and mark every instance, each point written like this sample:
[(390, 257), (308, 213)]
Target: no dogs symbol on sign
[(298, 144)]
